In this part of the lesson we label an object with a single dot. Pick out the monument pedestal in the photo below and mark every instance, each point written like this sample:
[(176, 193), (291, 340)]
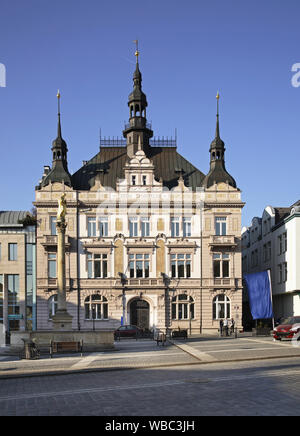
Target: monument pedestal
[(62, 321)]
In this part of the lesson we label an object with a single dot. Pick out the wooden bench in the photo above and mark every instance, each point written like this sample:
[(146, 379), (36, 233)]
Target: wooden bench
[(66, 347), (180, 333)]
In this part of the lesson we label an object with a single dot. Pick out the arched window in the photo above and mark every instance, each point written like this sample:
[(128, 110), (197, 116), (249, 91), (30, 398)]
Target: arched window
[(96, 307), (52, 306), (221, 307), (183, 307)]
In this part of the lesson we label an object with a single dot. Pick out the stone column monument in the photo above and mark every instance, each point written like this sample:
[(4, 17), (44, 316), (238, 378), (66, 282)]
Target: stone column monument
[(62, 320)]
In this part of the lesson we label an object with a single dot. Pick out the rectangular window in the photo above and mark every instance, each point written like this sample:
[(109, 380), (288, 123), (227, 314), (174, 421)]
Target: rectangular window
[(145, 227), (53, 225), (175, 227), (139, 265), (265, 252), (181, 265), (103, 226), (92, 229), (269, 250), (280, 273), (280, 251), (12, 251), (133, 180), (133, 227), (285, 271), (1, 297), (221, 227), (221, 265), (13, 294), (187, 227), (52, 265), (284, 242), (144, 180), (97, 266)]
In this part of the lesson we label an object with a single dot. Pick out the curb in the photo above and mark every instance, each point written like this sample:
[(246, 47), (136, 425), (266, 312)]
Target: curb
[(113, 369)]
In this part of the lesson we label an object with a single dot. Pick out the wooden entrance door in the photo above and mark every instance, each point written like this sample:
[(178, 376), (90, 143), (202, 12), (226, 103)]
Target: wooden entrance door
[(139, 314)]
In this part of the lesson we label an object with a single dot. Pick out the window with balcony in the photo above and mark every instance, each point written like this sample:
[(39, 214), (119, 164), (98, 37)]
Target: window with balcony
[(139, 265), (181, 265), (97, 266)]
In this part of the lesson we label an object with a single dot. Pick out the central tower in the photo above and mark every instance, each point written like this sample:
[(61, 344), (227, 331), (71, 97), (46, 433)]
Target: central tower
[(137, 132)]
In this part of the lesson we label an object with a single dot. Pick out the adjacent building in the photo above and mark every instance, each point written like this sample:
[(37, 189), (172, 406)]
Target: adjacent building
[(272, 242), (17, 271), (151, 240)]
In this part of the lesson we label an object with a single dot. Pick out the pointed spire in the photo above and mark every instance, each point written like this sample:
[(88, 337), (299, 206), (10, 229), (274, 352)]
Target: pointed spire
[(58, 114), (217, 126), (217, 172), (59, 172)]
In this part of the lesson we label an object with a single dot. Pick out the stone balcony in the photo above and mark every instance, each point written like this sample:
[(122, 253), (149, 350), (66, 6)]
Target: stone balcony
[(50, 241), (222, 241), (51, 284)]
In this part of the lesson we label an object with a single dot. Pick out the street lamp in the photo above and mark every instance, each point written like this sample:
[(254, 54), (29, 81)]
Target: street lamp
[(93, 315), (123, 283)]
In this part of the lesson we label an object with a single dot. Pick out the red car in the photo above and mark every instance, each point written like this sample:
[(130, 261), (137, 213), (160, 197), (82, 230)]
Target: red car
[(287, 329), (127, 331)]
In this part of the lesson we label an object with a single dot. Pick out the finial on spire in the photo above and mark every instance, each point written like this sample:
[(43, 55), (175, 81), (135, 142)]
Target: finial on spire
[(218, 98), (137, 53), (217, 126), (58, 101), (58, 113)]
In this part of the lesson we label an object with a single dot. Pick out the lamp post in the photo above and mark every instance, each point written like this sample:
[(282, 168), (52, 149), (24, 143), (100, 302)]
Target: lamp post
[(93, 315), (123, 283), (166, 281)]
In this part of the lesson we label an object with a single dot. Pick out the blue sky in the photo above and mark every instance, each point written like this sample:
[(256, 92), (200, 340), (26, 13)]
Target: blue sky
[(189, 50)]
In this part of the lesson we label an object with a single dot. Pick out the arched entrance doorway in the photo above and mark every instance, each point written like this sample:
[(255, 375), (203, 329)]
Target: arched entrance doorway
[(139, 313)]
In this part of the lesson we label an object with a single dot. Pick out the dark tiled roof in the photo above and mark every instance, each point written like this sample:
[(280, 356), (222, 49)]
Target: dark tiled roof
[(12, 218), (283, 212), (110, 161)]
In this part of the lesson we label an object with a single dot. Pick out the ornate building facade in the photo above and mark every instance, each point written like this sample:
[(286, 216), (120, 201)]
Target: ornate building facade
[(151, 240)]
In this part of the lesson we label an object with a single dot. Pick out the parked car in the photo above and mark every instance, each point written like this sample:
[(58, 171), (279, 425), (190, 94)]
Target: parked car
[(127, 331), (287, 329)]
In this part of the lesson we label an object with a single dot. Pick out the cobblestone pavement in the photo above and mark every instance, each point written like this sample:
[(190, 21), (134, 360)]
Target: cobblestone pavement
[(142, 354), (269, 387)]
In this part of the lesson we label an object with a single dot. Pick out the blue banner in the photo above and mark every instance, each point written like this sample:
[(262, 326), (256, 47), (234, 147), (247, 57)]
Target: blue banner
[(259, 291)]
